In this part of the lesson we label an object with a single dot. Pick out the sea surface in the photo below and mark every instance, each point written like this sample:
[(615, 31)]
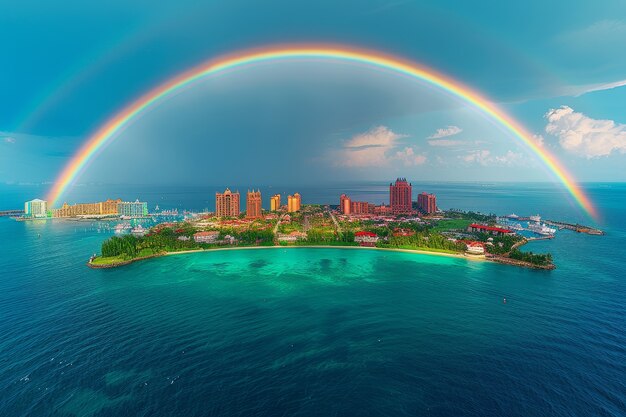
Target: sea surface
[(315, 332)]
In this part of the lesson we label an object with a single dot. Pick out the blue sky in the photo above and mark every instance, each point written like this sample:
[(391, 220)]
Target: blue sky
[(69, 66)]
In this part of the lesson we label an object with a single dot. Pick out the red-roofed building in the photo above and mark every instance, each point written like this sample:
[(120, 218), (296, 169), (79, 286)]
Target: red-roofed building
[(206, 237), (491, 230), (366, 238)]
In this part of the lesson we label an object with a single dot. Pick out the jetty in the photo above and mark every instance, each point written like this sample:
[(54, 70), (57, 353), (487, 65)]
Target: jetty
[(11, 213), (579, 228)]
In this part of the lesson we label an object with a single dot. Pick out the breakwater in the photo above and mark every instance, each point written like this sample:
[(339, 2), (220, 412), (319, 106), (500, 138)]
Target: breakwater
[(579, 228)]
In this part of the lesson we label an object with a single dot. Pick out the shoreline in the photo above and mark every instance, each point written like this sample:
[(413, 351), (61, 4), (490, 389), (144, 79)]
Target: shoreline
[(480, 258)]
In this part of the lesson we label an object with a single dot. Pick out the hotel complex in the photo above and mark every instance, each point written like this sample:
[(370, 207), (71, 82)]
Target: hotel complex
[(293, 203), (36, 208), (227, 204), (103, 208), (427, 203), (253, 205), (132, 209), (275, 202), (400, 197), (347, 206)]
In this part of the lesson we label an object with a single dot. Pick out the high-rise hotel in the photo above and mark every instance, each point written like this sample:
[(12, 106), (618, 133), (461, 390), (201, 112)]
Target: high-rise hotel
[(253, 204), (427, 203), (275, 202), (400, 197), (294, 202), (227, 204)]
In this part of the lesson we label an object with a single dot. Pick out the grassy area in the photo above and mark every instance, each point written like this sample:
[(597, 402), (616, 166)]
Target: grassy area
[(453, 224), (109, 260)]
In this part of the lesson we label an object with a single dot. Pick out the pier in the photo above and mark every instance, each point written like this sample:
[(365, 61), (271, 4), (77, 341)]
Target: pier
[(11, 213), (579, 228)]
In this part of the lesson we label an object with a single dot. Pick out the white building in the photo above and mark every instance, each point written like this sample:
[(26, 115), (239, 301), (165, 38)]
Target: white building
[(132, 209), (36, 208)]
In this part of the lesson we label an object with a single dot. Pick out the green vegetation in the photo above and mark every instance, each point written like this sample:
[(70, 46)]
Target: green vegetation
[(451, 224), (533, 258), (423, 241), (470, 215)]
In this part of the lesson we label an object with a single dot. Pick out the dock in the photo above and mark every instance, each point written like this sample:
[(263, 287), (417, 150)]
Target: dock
[(11, 213), (579, 228)]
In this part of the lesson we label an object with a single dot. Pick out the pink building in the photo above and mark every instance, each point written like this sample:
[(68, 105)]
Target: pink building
[(400, 197), (427, 203)]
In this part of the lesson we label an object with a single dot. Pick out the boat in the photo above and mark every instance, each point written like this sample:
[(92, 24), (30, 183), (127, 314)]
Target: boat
[(122, 228), (541, 228), (536, 218), (139, 230)]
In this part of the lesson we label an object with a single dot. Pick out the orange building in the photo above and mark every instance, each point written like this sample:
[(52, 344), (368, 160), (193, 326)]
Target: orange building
[(253, 205), (275, 202), (102, 208), (294, 202), (345, 204), (227, 204)]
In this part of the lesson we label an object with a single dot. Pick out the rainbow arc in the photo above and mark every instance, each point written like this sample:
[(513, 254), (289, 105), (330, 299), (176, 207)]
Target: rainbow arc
[(123, 118)]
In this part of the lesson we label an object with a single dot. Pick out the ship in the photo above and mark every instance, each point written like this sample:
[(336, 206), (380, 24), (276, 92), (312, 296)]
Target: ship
[(541, 228)]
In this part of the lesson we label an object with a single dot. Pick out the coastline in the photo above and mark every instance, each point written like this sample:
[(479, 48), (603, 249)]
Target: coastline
[(401, 250)]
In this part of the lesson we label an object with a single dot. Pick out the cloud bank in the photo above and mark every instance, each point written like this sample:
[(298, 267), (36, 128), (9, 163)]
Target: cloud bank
[(585, 136), (375, 148)]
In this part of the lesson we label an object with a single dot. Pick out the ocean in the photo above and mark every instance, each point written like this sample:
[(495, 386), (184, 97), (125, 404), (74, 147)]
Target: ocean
[(310, 332)]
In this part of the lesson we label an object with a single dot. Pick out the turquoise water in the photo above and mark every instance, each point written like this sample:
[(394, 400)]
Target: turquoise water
[(312, 331)]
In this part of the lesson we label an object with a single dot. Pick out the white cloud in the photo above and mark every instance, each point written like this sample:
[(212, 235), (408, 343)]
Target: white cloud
[(584, 136), (446, 131), (445, 142), (9, 139), (539, 140), (479, 157), (408, 157), (485, 158), (370, 148), (579, 90)]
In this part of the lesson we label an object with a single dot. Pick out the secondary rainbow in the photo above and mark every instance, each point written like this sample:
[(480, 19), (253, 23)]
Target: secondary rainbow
[(347, 54)]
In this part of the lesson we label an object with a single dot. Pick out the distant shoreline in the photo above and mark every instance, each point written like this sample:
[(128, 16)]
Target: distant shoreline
[(401, 250)]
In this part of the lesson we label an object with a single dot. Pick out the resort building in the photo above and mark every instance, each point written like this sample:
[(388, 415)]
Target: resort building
[(366, 238), (102, 208), (36, 208), (291, 237), (475, 248), (400, 197), (227, 204), (253, 205), (206, 237), (347, 206), (294, 202), (382, 210), (275, 202), (427, 203), (132, 209), (491, 230)]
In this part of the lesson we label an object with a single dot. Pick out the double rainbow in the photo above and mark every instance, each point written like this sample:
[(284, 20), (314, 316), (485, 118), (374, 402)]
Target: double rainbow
[(372, 58)]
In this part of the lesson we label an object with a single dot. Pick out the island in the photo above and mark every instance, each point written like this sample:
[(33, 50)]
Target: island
[(460, 234)]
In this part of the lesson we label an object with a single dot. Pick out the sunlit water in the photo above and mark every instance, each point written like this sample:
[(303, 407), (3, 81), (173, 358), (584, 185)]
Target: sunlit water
[(315, 331)]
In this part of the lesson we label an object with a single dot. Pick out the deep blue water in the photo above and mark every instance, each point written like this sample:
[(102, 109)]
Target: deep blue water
[(316, 331)]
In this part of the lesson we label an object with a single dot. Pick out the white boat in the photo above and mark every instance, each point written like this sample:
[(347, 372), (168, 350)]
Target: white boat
[(122, 228), (541, 229), (139, 230), (536, 218)]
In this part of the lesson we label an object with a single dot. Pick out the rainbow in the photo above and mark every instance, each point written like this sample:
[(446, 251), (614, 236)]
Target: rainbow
[(281, 53)]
